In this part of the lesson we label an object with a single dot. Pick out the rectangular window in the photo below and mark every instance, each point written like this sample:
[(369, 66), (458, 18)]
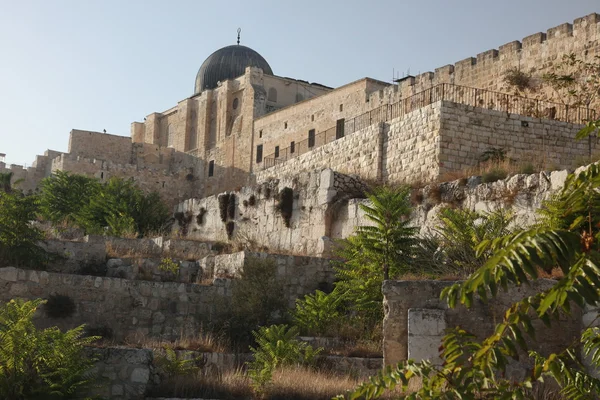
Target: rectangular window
[(341, 107), (311, 138), (292, 147), (260, 133), (276, 151), (259, 153), (211, 168), (339, 128)]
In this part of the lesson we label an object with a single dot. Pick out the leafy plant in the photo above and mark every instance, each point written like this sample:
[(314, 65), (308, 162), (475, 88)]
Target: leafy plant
[(63, 196), (493, 154), (41, 364), (171, 365), (277, 346), (316, 313), (168, 265), (19, 240), (494, 175), (476, 369), (517, 78)]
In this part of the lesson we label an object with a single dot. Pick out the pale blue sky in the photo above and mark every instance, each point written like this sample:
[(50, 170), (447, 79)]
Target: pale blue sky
[(98, 65)]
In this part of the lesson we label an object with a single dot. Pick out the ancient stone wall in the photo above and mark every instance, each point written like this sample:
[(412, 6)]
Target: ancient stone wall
[(257, 221), (466, 132), (125, 307), (359, 153), (537, 54), (414, 315), (102, 146)]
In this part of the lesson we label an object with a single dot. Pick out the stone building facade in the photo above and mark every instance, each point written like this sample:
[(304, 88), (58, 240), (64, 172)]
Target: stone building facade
[(243, 123)]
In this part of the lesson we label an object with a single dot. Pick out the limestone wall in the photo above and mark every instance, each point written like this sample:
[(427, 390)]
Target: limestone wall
[(103, 146), (258, 223), (126, 307), (358, 153), (407, 302), (466, 132), (537, 53)]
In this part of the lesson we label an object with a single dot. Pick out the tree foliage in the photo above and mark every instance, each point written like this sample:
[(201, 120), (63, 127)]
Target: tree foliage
[(64, 195), (40, 364), (477, 369), (19, 239)]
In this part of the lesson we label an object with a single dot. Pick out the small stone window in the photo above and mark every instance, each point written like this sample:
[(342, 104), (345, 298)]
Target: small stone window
[(211, 168), (259, 153), (285, 125), (311, 138), (260, 133), (235, 103), (292, 147), (341, 107), (312, 118), (276, 151)]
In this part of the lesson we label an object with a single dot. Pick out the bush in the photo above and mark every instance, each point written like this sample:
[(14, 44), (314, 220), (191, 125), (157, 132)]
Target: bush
[(64, 195), (40, 364), (493, 175), (277, 346), (171, 365), (18, 238), (318, 313), (285, 206), (59, 306), (169, 266)]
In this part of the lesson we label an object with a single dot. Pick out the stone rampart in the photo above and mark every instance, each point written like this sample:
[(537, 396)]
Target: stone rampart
[(537, 53), (124, 307)]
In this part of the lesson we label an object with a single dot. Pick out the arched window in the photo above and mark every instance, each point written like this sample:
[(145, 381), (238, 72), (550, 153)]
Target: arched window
[(170, 135), (299, 97), (272, 96)]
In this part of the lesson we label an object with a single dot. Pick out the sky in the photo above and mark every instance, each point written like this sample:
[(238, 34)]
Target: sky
[(102, 64)]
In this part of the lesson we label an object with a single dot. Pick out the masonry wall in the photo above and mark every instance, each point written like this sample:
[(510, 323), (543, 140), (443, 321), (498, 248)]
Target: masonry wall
[(101, 146), (466, 132), (126, 307), (402, 296), (537, 53)]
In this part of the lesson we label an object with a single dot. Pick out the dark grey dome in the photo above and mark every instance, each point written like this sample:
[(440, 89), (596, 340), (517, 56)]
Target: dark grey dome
[(228, 63)]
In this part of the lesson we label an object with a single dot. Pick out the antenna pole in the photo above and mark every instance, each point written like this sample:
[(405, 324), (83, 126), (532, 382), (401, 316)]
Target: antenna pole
[(239, 31)]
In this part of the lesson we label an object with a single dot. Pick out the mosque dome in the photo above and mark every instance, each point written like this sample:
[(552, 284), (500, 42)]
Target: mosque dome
[(228, 63)]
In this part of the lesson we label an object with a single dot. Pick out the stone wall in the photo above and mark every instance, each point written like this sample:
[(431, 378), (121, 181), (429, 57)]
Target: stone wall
[(125, 307), (415, 317), (466, 132), (537, 53), (257, 222), (71, 256), (299, 275), (102, 146)]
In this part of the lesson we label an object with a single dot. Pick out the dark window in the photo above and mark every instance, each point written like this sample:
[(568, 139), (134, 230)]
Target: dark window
[(341, 107), (260, 133), (211, 168), (311, 138), (276, 151), (285, 125), (259, 153), (339, 128), (292, 147), (235, 103), (312, 117)]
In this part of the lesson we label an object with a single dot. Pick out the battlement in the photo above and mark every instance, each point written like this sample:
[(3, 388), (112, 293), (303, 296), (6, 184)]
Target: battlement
[(533, 52)]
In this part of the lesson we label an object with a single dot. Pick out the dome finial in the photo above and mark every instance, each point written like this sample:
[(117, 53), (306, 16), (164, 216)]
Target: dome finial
[(239, 30)]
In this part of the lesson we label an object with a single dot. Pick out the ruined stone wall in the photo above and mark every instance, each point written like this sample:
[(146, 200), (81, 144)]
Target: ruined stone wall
[(407, 302), (126, 307), (258, 222)]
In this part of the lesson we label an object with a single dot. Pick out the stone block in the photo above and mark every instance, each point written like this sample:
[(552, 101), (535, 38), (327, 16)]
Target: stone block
[(426, 322), (9, 274)]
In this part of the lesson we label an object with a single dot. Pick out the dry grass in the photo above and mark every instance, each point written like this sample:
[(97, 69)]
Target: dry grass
[(205, 342), (287, 384), (360, 348)]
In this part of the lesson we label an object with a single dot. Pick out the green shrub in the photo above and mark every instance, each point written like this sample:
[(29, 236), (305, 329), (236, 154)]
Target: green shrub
[(19, 240), (316, 314), (527, 168), (168, 265), (171, 365), (285, 206), (40, 364), (277, 346), (63, 195)]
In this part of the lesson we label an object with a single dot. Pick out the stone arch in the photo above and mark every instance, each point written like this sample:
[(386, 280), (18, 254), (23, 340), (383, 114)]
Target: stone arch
[(272, 95)]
